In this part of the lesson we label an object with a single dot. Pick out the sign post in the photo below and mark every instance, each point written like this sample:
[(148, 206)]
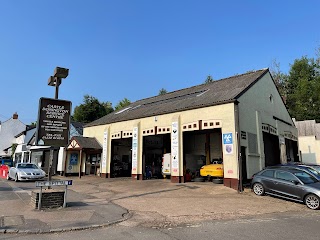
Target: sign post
[(48, 184)]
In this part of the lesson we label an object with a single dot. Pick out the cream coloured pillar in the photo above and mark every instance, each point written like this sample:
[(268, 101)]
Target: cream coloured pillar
[(106, 153), (137, 143), (176, 150)]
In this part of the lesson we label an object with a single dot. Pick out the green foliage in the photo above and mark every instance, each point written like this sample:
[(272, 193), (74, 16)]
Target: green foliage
[(162, 91), (279, 78), (13, 149), (209, 79), (123, 103), (303, 86), (108, 107), (91, 109)]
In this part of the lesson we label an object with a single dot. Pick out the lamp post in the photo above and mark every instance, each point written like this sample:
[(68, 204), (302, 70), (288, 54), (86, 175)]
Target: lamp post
[(55, 80)]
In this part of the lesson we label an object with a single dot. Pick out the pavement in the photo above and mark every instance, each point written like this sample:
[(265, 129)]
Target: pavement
[(94, 202)]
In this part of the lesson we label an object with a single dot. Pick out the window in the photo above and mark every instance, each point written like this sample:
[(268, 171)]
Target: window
[(268, 173), (312, 170), (27, 165), (252, 142), (285, 176), (305, 177)]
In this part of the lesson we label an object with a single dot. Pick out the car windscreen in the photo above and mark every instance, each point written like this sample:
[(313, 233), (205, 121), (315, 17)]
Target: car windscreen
[(27, 165), (305, 177), (313, 171), (316, 168)]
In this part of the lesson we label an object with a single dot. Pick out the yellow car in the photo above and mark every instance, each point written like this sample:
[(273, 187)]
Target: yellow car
[(213, 172)]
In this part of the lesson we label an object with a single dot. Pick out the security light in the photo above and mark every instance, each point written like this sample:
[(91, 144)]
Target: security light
[(60, 72), (51, 81)]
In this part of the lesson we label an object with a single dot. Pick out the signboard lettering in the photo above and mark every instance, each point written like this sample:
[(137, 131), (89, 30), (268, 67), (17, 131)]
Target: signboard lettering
[(53, 122), (54, 183)]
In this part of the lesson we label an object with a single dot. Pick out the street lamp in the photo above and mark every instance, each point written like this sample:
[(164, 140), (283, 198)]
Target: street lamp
[(55, 80)]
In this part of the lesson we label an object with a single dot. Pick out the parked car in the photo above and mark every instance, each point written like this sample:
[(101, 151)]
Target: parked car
[(308, 168), (25, 171), (6, 161), (213, 172), (288, 183)]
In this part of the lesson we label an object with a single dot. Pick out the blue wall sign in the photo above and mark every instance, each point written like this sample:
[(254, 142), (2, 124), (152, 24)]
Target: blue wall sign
[(227, 138), (73, 158)]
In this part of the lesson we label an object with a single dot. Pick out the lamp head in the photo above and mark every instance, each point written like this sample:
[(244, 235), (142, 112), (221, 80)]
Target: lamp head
[(60, 72)]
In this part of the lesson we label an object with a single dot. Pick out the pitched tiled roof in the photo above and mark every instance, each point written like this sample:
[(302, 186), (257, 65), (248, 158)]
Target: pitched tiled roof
[(87, 142), (78, 126), (204, 95)]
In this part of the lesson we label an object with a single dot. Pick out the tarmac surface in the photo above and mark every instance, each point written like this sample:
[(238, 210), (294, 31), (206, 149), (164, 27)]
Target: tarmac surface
[(94, 202)]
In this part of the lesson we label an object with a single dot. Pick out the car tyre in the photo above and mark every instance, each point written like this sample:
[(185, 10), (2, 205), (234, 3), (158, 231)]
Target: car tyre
[(258, 189), (312, 201), (217, 180), (199, 179), (16, 178), (8, 178)]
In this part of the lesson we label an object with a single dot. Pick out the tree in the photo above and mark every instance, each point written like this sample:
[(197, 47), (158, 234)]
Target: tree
[(108, 107), (91, 109), (303, 86), (209, 79), (279, 78), (123, 103), (162, 91)]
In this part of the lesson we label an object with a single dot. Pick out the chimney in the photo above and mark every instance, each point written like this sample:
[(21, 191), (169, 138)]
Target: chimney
[(15, 116)]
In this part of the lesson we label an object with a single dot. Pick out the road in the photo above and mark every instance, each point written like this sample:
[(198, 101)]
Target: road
[(290, 225)]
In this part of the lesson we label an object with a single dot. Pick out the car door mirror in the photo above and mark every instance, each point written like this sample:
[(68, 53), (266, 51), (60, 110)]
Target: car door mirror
[(295, 182)]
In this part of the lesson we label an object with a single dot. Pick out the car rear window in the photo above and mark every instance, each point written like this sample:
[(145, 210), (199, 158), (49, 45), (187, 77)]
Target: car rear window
[(268, 173)]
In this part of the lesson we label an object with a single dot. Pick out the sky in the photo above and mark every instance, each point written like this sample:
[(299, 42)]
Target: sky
[(116, 49)]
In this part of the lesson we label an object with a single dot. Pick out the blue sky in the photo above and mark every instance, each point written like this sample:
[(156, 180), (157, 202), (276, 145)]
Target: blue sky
[(132, 48)]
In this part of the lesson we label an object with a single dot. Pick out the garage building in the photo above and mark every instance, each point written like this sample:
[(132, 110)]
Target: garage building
[(241, 121)]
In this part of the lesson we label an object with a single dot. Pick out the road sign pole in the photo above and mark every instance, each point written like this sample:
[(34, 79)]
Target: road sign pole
[(40, 197), (65, 197), (50, 164)]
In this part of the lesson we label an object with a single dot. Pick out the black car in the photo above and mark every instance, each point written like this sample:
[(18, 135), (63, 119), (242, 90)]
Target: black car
[(288, 183)]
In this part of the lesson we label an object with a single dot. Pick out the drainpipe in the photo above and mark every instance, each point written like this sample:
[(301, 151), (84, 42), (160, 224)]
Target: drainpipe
[(237, 128)]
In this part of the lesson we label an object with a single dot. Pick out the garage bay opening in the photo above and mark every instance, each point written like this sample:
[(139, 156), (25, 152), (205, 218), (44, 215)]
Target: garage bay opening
[(202, 155), (154, 148), (121, 162)]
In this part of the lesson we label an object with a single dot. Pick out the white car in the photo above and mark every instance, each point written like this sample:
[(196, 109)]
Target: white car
[(25, 171)]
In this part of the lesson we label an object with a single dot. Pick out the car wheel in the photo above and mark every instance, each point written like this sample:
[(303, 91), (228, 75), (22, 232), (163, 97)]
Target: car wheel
[(258, 189), (16, 178), (312, 201), (8, 178)]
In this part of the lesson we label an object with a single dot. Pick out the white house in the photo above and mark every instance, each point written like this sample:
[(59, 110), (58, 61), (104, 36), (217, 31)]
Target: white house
[(8, 130)]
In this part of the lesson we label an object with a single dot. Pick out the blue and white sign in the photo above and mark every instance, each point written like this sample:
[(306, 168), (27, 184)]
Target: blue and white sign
[(227, 138), (73, 158)]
